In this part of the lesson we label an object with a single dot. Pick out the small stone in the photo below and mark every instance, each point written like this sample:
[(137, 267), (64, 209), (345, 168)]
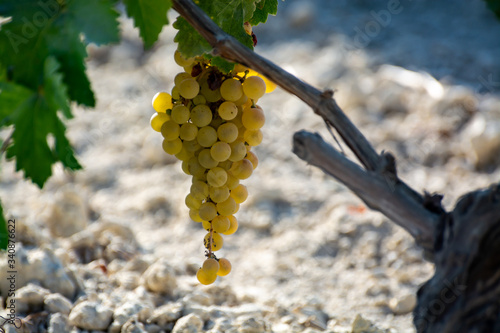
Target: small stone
[(404, 305), (249, 324), (29, 298), (91, 315), (188, 324), (123, 313), (166, 314), (361, 325), (376, 288), (133, 326), (58, 322), (127, 280), (55, 303), (160, 278)]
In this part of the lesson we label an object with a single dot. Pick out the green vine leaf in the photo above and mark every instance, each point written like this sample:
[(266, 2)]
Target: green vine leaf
[(36, 118), (264, 9), (40, 28), (149, 16)]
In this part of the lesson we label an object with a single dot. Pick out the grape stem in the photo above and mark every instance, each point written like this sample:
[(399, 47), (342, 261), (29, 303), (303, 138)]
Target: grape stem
[(380, 185)]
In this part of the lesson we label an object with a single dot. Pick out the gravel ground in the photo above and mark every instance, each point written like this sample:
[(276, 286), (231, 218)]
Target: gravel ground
[(111, 248)]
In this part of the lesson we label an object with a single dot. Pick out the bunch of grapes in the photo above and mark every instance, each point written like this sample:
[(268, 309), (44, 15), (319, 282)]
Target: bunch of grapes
[(210, 122)]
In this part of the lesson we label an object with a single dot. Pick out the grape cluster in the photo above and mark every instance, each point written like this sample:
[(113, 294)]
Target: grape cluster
[(210, 122)]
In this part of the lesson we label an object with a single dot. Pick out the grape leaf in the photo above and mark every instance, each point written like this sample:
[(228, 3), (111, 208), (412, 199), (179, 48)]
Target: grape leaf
[(227, 14), (4, 234), (149, 16), (263, 10), (34, 120), (30, 147), (40, 28)]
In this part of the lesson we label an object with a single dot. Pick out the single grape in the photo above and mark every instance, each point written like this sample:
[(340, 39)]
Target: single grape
[(252, 158), (192, 146), (216, 122), (211, 266), (191, 202), (195, 167), (233, 226), (175, 93), (243, 99), (185, 169), (238, 151), (254, 87), (188, 132), (218, 194), (208, 211), (224, 267), (220, 151), (231, 90), (157, 120), (253, 137), (170, 130), (189, 88), (252, 118), (226, 165), (172, 147), (206, 136), (242, 169), (227, 132), (239, 193), (270, 85), (181, 60), (199, 99), (217, 241), (180, 114), (161, 102), (206, 160), (181, 77), (194, 214), (226, 207), (216, 177), (220, 224), (201, 115), (228, 110), (232, 181), (199, 190), (205, 278), (184, 155)]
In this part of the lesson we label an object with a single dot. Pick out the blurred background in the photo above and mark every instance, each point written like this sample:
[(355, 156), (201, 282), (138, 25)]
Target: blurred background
[(420, 78)]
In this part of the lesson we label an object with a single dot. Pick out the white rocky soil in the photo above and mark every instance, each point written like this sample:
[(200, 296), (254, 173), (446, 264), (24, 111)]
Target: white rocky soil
[(111, 248)]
